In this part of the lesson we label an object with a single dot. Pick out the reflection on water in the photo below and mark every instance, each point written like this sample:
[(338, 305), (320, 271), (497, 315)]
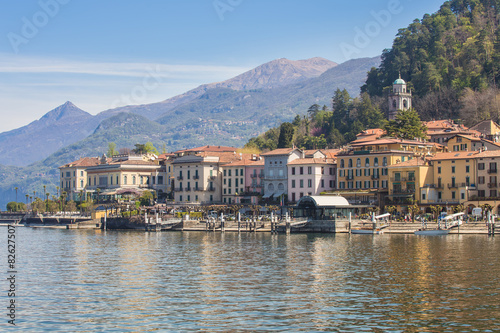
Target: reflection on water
[(83, 281)]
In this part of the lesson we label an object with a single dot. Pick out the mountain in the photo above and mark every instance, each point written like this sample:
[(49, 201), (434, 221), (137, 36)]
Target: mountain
[(235, 116), (273, 74), (58, 128)]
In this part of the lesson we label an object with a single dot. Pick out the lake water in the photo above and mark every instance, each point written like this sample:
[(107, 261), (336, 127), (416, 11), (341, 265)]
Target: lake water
[(120, 281)]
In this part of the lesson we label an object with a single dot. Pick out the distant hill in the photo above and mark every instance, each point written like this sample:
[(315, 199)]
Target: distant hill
[(58, 128), (273, 74)]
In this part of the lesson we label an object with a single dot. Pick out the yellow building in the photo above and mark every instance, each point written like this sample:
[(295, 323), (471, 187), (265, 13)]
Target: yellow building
[(406, 180), (462, 142), (454, 179), (362, 169)]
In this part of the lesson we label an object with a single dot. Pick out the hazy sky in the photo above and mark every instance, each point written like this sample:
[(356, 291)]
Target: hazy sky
[(103, 54)]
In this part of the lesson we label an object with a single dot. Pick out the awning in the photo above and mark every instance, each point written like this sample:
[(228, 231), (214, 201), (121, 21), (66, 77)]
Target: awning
[(278, 194), (267, 195)]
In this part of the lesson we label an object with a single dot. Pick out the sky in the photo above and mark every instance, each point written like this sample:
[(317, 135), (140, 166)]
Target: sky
[(109, 53)]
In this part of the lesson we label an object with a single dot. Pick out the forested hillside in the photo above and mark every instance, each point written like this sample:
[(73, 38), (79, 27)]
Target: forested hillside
[(451, 60)]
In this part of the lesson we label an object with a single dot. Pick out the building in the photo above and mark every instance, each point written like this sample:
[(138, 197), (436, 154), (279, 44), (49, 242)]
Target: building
[(362, 168), (310, 177), (440, 131), (276, 172), (488, 129), (73, 178), (462, 142), (242, 180), (399, 98), (406, 179), (454, 179), (125, 174)]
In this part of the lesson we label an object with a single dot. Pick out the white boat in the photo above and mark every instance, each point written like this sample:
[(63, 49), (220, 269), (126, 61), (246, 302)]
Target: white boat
[(366, 230), (450, 221), (432, 232)]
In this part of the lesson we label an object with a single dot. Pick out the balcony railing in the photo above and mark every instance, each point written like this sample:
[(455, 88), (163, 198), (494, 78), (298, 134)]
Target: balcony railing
[(349, 177), (180, 178), (196, 188), (403, 191), (178, 189), (400, 179), (187, 189), (212, 177), (492, 170), (375, 176), (211, 189), (492, 185), (453, 185), (196, 177), (261, 175)]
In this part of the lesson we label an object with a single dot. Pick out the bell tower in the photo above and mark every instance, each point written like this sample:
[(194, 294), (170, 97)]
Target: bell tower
[(399, 98)]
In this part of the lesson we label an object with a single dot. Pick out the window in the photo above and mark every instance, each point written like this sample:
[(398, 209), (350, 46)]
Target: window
[(331, 171), (467, 168), (301, 183), (322, 183), (367, 162), (349, 164), (293, 183), (341, 163), (189, 175), (322, 170), (453, 169), (440, 195), (480, 179), (439, 169), (229, 172), (133, 180), (236, 172), (462, 196), (493, 193), (301, 170), (225, 172), (480, 166), (293, 196), (309, 170), (293, 170), (358, 163), (423, 196), (180, 197), (309, 183), (453, 194)]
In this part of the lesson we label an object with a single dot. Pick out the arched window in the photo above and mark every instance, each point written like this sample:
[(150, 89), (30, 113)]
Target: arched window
[(270, 187), (405, 103), (341, 163), (367, 162), (349, 165), (358, 163), (281, 187), (375, 162)]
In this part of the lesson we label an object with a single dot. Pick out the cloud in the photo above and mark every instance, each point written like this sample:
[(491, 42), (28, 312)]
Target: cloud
[(28, 65)]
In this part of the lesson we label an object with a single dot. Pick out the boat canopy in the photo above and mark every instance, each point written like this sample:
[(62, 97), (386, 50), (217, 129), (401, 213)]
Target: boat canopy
[(453, 216), (382, 216)]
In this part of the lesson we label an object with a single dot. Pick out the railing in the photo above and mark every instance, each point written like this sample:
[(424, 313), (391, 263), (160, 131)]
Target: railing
[(439, 185), (492, 170), (453, 185), (187, 189), (403, 191), (375, 176), (349, 177), (212, 177), (180, 178), (492, 185), (253, 175), (196, 177), (400, 179), (178, 189), (261, 175), (211, 189), (196, 189)]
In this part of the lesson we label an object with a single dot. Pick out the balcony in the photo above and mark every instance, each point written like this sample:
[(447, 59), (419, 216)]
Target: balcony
[(261, 175), (178, 189), (349, 177), (196, 177), (180, 178), (403, 191), (212, 177), (197, 189), (375, 176), (211, 189), (400, 179), (453, 185), (492, 170), (441, 186), (187, 189), (253, 175), (492, 185)]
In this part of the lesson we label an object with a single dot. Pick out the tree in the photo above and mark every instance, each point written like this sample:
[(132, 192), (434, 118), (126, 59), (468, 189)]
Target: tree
[(112, 149), (407, 125), (146, 198), (150, 148), (286, 135), (413, 210)]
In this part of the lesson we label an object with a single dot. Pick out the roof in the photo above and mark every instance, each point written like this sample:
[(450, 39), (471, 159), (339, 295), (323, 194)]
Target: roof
[(399, 81), (331, 153), (487, 127), (300, 161), (84, 162), (325, 200), (391, 141), (280, 151), (245, 162), (208, 149), (439, 124), (489, 153), (469, 137), (455, 155)]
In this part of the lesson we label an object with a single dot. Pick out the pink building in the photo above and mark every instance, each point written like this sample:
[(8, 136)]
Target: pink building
[(310, 176)]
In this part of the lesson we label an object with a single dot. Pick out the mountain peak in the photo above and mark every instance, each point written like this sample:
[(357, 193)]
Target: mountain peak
[(65, 110)]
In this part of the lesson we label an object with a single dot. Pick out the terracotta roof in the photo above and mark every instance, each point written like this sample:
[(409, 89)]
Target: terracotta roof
[(470, 137), (300, 161), (489, 153), (245, 162), (439, 124), (165, 156), (208, 148), (391, 141), (372, 131), (331, 153), (84, 162), (455, 155), (280, 151)]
